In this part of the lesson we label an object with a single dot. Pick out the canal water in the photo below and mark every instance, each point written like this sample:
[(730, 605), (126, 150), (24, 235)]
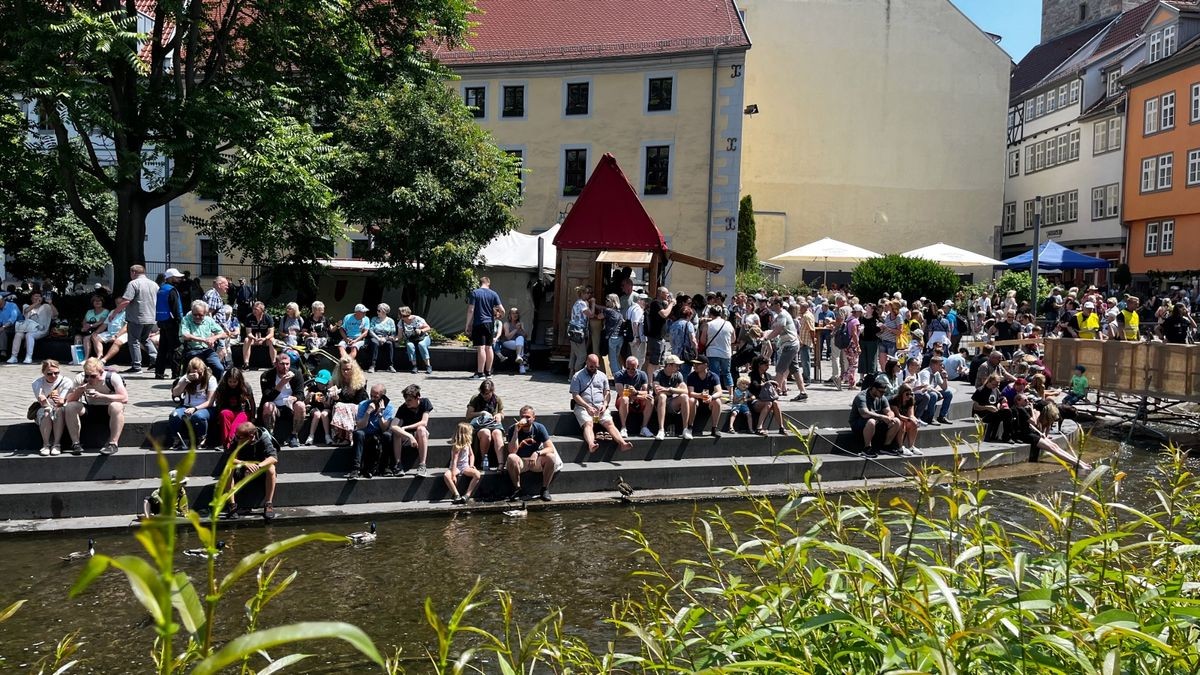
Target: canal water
[(574, 559)]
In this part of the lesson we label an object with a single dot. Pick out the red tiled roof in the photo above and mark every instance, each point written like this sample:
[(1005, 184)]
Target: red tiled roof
[(518, 31), (609, 215), (1044, 58), (1128, 26)]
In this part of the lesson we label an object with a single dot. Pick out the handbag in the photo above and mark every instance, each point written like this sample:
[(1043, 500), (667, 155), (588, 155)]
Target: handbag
[(575, 333), (33, 408)]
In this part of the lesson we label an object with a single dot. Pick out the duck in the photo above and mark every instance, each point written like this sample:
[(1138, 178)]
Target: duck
[(359, 538), (203, 552), (519, 512), (81, 555), (624, 488)]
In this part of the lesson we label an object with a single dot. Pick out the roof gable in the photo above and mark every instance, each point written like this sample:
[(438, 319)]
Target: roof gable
[(1128, 26), (521, 31), (609, 215), (1046, 57)]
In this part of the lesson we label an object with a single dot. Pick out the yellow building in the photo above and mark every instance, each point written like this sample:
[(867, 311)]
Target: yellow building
[(881, 124), (657, 84)]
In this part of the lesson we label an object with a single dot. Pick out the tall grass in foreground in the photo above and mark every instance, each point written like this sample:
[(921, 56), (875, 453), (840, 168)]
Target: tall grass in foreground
[(935, 581)]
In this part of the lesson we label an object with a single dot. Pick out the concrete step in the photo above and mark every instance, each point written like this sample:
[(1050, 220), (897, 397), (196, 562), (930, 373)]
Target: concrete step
[(91, 498), (137, 463)]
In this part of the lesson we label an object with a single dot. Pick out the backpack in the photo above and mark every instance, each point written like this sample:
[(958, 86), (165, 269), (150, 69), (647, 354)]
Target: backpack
[(841, 336)]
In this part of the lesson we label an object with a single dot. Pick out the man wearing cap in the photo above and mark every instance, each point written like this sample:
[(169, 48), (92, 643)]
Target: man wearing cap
[(704, 388), (993, 366), (1085, 325), (10, 314), (168, 312), (671, 394), (1132, 320), (870, 416), (354, 332), (200, 334), (139, 303), (590, 394)]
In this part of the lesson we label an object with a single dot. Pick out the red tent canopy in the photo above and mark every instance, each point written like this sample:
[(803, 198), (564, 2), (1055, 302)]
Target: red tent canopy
[(609, 215)]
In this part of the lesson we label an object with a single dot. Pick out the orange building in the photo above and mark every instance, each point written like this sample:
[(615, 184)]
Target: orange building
[(1161, 208)]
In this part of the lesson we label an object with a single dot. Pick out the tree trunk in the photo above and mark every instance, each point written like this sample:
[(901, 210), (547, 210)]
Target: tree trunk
[(129, 238)]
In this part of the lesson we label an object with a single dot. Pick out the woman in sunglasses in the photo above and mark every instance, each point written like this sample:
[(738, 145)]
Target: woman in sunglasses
[(50, 391)]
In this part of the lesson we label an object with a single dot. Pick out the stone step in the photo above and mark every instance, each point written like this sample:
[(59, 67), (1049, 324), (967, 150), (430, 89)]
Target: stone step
[(90, 498), (137, 463)]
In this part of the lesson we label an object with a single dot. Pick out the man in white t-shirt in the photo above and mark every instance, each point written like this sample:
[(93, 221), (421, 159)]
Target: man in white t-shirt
[(99, 391), (719, 335), (636, 315)]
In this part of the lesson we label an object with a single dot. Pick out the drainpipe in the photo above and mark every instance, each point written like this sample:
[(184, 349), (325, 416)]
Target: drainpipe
[(712, 168)]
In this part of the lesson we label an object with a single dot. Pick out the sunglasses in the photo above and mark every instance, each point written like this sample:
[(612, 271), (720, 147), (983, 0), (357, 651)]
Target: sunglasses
[(51, 372)]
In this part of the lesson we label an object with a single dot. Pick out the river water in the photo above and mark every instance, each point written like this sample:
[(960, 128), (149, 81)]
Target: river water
[(575, 559)]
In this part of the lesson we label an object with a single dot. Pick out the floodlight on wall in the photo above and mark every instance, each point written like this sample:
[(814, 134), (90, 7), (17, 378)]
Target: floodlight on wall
[(751, 109)]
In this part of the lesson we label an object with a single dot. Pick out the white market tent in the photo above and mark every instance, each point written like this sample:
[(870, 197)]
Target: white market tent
[(952, 256), (515, 250), (825, 251)]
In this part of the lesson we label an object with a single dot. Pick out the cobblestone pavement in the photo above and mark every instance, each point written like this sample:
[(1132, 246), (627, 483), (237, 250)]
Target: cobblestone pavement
[(448, 391)]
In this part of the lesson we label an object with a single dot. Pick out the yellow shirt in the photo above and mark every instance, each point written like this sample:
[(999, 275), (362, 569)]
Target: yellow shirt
[(1131, 324), (1088, 326)]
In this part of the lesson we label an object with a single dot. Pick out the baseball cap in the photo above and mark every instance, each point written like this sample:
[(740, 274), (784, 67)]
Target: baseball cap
[(172, 273), (881, 381), (673, 360), (1021, 380), (856, 308), (360, 308), (323, 377), (1089, 305), (948, 303), (759, 296), (700, 359)]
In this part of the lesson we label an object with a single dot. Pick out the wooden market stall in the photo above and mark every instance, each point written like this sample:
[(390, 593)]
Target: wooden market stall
[(607, 229)]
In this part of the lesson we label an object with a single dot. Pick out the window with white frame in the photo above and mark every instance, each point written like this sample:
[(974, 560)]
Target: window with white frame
[(475, 98), (1106, 136), (1156, 46), (1073, 146), (1167, 114), (1114, 83), (1151, 239), (1151, 123), (1193, 168), (1166, 237), (1076, 87), (1170, 40), (1116, 129), (1148, 166), (1014, 163), (1029, 109), (1052, 152), (1196, 102), (1052, 102), (1062, 207), (1166, 168), (1041, 105), (1062, 96), (1030, 213), (1105, 201), (1010, 217), (1072, 206)]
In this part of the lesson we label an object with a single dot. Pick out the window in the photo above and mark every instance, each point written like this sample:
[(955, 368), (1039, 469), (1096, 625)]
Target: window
[(1106, 136), (1168, 111), (658, 95), (1039, 156), (1010, 217), (1083, 11), (1062, 96), (1196, 102), (1030, 213), (476, 100), (1151, 123), (1014, 163), (1041, 105), (1163, 42), (1148, 165), (658, 169), (1105, 201), (1166, 166), (360, 248), (1155, 46), (575, 171), (1170, 42), (1052, 102), (1151, 238), (1076, 86), (577, 98), (1060, 208), (209, 263), (1053, 151), (1115, 131), (1193, 168), (1029, 110), (514, 101), (1073, 206), (519, 156), (1166, 237), (1062, 150), (1114, 84)]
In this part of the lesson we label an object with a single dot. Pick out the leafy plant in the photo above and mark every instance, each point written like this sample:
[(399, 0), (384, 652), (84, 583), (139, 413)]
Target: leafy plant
[(913, 277), (747, 236), (1020, 282)]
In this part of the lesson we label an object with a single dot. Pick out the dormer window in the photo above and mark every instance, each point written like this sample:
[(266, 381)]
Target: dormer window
[(1163, 42), (1114, 84)]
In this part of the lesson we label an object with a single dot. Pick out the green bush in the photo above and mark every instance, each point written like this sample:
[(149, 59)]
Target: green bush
[(753, 280), (1019, 282), (913, 277)]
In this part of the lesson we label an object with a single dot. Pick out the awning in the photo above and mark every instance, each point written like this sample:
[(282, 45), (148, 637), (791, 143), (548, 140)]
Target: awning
[(702, 263), (640, 258)]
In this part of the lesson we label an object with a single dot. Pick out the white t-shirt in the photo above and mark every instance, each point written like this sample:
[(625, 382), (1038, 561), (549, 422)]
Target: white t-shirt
[(60, 384), (636, 316), (719, 334), (192, 398)]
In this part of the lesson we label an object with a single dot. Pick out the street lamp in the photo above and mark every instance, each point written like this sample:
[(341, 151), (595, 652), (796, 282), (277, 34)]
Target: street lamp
[(1037, 241)]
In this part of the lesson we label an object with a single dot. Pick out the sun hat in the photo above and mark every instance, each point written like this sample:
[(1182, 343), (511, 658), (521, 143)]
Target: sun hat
[(323, 377)]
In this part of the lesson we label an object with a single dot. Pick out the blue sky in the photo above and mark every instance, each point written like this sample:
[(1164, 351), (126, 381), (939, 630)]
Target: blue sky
[(1018, 22)]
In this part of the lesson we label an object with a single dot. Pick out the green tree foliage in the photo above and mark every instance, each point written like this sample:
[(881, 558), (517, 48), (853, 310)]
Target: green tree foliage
[(913, 277), (1122, 276), (205, 78), (426, 181), (747, 243), (1013, 280)]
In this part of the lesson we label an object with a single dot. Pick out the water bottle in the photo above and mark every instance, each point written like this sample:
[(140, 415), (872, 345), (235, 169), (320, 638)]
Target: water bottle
[(485, 462)]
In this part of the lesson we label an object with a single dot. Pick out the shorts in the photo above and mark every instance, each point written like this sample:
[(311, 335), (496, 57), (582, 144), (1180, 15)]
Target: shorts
[(528, 465), (786, 358), (582, 416), (656, 351), (740, 409), (481, 334)]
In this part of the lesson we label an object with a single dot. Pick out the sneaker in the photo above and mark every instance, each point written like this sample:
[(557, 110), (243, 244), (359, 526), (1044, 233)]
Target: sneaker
[(660, 436), (128, 371), (546, 496), (55, 449), (109, 448), (922, 423), (943, 420), (27, 361), (414, 370), (459, 500), (800, 397), (477, 376), (907, 452), (353, 475), (516, 496), (871, 452), (783, 431), (687, 434), (521, 369), (371, 369), (45, 451), (894, 452), (428, 370), (389, 473), (76, 449), (293, 441), (268, 512), (391, 369), (646, 433), (715, 433), (916, 452), (933, 423), (11, 359), (230, 513), (366, 475), (487, 374), (421, 470)]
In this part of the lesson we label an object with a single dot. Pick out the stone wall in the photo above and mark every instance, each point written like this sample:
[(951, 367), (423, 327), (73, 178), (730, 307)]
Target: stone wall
[(1062, 16)]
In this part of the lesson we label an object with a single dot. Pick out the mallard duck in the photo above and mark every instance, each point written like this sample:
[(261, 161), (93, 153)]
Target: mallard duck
[(624, 488), (518, 512), (81, 555), (203, 552), (359, 538)]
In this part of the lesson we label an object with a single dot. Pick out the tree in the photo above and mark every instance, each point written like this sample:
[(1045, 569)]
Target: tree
[(747, 244), (426, 181), (1122, 276), (1020, 282), (913, 277), (205, 78)]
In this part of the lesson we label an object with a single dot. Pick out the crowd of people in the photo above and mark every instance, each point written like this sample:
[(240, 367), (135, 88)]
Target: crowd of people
[(698, 362)]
